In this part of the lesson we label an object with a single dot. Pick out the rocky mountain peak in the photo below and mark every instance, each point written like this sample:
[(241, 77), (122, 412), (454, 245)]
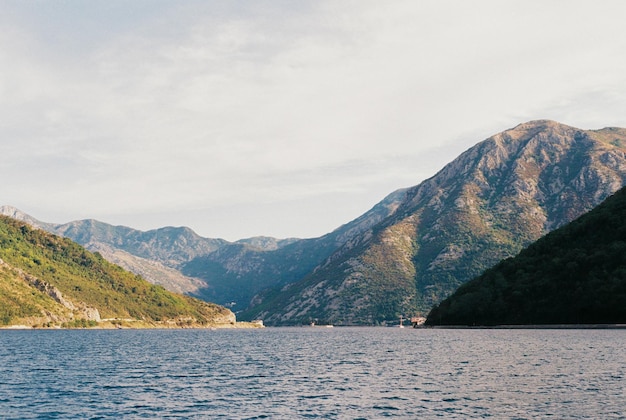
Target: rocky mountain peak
[(17, 214), (485, 205)]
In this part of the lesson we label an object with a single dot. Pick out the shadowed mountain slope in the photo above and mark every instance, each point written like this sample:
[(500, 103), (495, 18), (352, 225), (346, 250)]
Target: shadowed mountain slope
[(573, 275), (239, 271)]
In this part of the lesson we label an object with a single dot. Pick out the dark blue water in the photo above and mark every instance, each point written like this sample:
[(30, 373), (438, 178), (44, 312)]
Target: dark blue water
[(289, 373)]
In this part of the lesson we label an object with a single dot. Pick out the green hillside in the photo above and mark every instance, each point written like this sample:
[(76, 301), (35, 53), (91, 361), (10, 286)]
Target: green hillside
[(47, 280), (574, 275)]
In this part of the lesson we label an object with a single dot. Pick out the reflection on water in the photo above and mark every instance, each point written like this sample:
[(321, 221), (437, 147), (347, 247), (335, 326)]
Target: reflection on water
[(313, 373)]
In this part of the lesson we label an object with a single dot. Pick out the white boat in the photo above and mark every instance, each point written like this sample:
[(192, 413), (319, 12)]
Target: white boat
[(313, 324)]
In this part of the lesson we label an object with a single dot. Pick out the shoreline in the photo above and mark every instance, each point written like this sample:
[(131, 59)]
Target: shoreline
[(530, 327), (143, 326)]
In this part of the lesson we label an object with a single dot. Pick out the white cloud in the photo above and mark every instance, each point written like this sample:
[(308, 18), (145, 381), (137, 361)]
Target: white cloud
[(138, 112)]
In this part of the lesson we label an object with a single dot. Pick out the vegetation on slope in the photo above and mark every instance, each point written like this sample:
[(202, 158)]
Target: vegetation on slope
[(36, 263), (380, 290), (573, 275)]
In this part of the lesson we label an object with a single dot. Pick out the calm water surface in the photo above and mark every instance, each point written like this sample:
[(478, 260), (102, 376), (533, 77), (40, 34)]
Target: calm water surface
[(289, 373)]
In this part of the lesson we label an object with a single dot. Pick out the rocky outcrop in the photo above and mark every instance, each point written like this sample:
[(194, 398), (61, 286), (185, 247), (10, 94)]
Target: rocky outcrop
[(80, 310), (225, 318)]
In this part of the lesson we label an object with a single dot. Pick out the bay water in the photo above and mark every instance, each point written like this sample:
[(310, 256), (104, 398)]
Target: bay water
[(334, 373)]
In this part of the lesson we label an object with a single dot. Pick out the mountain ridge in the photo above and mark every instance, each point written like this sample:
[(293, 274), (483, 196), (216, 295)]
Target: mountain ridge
[(235, 265), (483, 206)]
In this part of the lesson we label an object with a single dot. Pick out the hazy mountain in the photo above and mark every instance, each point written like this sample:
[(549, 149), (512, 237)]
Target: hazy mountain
[(169, 245), (266, 243), (17, 214), (486, 205), (236, 272), (49, 281), (573, 275)]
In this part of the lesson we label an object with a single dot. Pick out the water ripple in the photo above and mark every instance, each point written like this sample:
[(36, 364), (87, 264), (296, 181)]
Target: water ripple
[(310, 373)]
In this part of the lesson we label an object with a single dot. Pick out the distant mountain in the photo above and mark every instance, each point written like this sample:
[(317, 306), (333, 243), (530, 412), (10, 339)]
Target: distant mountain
[(49, 281), (486, 205), (573, 275), (169, 245), (237, 272), (266, 243), (17, 214), (155, 255)]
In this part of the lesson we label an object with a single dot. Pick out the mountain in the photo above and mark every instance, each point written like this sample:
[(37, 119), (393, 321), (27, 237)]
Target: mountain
[(49, 281), (228, 273), (486, 205), (169, 245), (153, 255), (403, 256), (239, 271), (17, 214), (573, 275)]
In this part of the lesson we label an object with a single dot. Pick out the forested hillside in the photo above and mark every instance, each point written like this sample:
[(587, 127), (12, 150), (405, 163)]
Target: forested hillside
[(574, 275)]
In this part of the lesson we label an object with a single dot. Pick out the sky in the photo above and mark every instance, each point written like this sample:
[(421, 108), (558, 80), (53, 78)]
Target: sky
[(243, 118)]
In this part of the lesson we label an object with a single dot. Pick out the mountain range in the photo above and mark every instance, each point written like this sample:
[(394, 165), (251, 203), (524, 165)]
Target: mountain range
[(403, 256), (228, 273)]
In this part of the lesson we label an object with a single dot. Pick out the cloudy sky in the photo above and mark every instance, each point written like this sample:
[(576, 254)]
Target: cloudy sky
[(279, 118)]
